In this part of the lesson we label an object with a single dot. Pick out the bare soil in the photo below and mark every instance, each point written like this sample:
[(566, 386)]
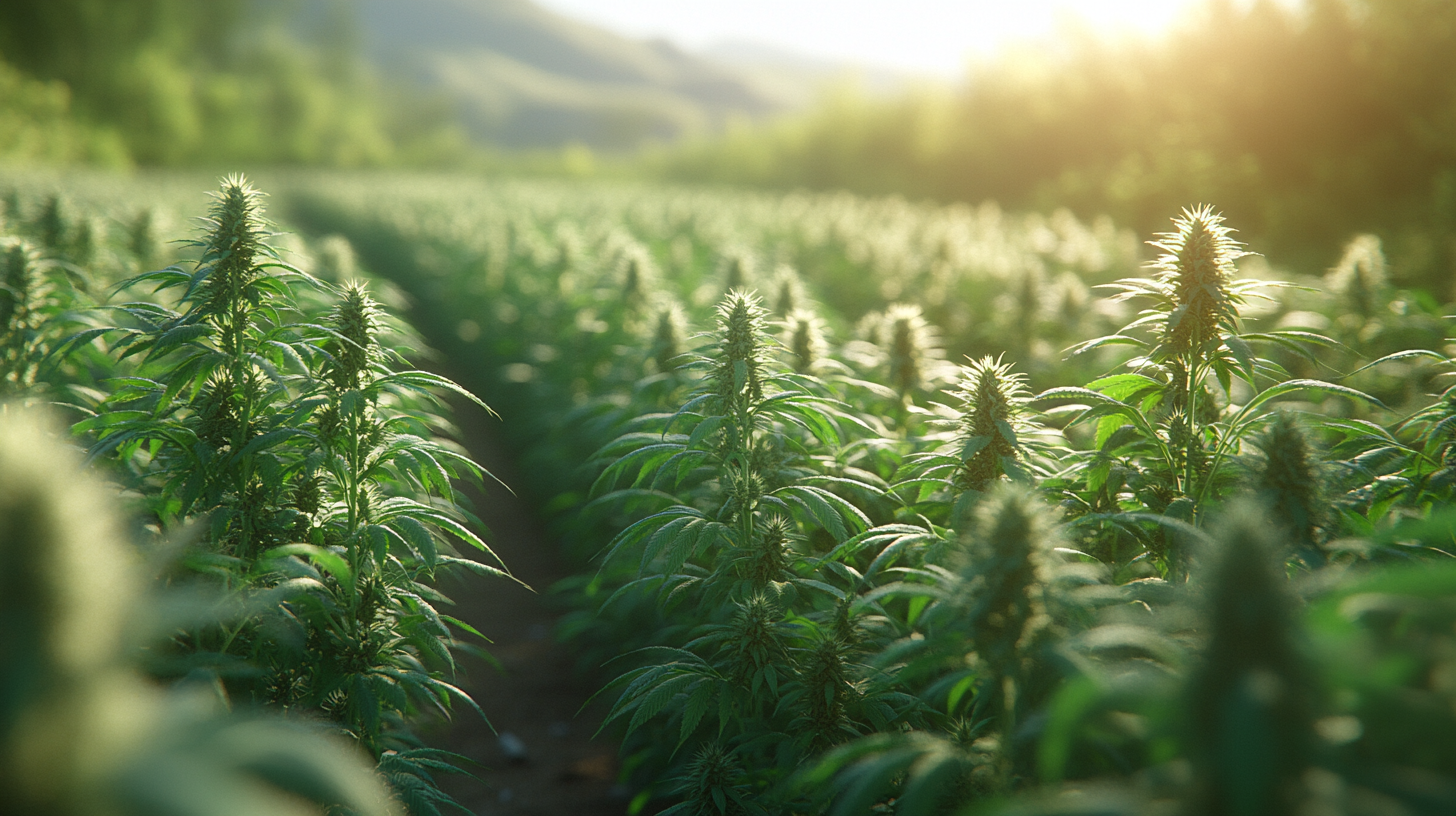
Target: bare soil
[(534, 698)]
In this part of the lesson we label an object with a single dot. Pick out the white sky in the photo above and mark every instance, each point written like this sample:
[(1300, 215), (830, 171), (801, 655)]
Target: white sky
[(923, 36)]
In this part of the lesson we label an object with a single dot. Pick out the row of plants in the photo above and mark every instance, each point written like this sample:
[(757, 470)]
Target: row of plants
[(1204, 567), (296, 481), (820, 501)]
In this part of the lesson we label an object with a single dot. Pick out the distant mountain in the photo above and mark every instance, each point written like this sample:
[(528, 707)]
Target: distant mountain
[(522, 76)]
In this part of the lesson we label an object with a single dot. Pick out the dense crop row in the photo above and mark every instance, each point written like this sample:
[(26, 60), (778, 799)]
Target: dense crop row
[(297, 483), (1205, 566)]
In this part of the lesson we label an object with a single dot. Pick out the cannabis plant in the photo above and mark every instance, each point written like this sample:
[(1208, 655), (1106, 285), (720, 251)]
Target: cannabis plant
[(980, 660), (910, 350), (328, 500), (638, 277), (713, 785), (1252, 695), (788, 292), (668, 338), (1359, 280), (80, 730), (38, 296), (142, 238), (1289, 479), (724, 556), (804, 340), (53, 225), (734, 425), (994, 435), (738, 272), (1162, 433), (23, 296), (1194, 322)]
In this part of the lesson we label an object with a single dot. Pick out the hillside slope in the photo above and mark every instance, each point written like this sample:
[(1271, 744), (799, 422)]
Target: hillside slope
[(522, 76)]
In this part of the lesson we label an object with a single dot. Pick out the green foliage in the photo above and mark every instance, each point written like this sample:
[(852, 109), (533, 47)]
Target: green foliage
[(37, 125), (804, 340), (311, 462), (910, 349), (170, 82), (821, 592), (993, 404), (1169, 430), (34, 294), (80, 730)]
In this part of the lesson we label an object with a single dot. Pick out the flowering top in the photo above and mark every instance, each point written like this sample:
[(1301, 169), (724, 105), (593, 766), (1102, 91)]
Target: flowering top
[(1195, 274)]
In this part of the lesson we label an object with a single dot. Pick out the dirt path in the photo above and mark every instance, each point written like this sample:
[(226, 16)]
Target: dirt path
[(537, 695)]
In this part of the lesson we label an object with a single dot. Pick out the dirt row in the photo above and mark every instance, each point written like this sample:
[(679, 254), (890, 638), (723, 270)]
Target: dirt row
[(541, 757)]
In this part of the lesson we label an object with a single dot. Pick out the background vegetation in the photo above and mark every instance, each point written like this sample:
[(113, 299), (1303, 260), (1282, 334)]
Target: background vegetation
[(1316, 120), (171, 82)]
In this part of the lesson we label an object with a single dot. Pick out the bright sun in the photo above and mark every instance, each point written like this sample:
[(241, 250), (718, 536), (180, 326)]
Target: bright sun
[(929, 36)]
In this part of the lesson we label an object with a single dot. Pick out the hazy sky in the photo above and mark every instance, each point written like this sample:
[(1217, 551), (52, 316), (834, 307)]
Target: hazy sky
[(928, 36)]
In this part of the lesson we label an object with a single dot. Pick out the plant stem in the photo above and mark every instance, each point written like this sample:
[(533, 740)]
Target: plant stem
[(1193, 386)]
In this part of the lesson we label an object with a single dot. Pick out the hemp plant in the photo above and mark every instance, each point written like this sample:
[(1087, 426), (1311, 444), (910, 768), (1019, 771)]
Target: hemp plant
[(804, 340), (667, 337), (980, 656), (638, 277), (735, 459), (1194, 323), (788, 289), (1162, 434), (763, 654), (910, 350), (327, 501), (34, 294), (1252, 695), (995, 435), (81, 730), (1289, 478)]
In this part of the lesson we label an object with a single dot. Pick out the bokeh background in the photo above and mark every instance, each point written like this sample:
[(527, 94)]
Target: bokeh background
[(1311, 120)]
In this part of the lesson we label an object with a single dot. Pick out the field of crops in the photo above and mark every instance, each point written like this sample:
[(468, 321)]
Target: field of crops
[(877, 506)]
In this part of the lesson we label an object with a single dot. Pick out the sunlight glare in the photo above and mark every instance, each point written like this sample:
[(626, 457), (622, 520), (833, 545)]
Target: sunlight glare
[(923, 36)]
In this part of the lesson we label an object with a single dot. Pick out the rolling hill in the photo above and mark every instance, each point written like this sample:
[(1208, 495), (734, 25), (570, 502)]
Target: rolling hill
[(519, 75)]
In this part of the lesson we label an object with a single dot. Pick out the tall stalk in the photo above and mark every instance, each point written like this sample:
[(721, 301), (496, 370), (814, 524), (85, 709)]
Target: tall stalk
[(230, 298), (1200, 313), (20, 284), (738, 380)]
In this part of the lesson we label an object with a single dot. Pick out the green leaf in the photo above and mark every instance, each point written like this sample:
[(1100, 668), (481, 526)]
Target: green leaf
[(1069, 706), (423, 380), (1109, 340), (1125, 386), (176, 337), (327, 560), (958, 692), (829, 510), (1316, 386), (1408, 354), (419, 537), (1244, 355), (693, 711), (481, 569)]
